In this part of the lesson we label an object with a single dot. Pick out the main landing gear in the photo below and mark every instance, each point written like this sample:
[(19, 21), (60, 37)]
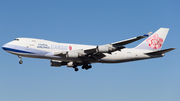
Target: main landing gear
[(20, 60), (85, 66), (75, 68)]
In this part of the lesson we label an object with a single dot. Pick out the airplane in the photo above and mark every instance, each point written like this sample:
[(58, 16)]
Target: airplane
[(74, 55)]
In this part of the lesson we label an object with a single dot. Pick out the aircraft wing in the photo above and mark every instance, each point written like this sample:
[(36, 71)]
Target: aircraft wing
[(124, 42), (91, 53), (118, 44), (98, 51)]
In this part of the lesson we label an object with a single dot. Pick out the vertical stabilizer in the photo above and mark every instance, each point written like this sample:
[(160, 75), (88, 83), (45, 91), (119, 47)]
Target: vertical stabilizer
[(155, 41)]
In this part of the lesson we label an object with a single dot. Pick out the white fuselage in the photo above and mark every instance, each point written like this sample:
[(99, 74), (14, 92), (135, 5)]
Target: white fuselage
[(39, 48)]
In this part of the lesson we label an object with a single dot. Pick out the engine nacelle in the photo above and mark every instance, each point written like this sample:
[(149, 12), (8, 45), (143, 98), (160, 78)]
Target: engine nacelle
[(75, 54), (56, 63), (71, 54), (70, 64), (106, 49)]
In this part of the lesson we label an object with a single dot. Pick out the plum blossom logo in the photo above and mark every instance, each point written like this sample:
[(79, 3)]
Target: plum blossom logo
[(155, 42), (70, 47)]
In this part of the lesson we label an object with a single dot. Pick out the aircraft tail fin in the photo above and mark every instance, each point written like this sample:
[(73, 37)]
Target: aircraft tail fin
[(155, 41)]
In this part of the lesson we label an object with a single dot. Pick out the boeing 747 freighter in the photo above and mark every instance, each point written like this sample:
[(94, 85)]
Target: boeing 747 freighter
[(74, 55)]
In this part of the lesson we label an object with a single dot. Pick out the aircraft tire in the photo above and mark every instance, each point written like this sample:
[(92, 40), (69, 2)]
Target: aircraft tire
[(89, 66), (76, 69), (83, 67), (20, 62)]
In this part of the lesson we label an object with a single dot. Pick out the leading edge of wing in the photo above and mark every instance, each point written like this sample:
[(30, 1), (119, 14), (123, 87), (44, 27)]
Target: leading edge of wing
[(124, 42)]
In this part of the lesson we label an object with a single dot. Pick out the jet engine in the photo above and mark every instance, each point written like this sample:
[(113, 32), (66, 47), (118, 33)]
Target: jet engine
[(71, 54), (106, 49), (75, 54), (56, 63), (70, 64)]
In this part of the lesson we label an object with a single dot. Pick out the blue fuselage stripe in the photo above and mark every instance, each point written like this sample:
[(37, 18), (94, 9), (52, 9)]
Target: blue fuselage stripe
[(15, 50)]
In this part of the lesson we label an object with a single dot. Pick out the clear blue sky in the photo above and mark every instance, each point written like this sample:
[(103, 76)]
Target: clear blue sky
[(93, 22)]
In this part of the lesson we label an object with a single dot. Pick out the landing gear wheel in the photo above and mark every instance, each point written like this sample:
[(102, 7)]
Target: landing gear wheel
[(86, 66), (76, 69), (89, 66), (83, 67), (20, 62)]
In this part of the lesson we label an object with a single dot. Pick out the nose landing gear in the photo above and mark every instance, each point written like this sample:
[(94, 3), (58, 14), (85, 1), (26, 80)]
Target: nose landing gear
[(20, 60)]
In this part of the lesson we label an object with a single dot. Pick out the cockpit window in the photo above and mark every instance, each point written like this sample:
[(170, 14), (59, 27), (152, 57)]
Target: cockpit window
[(16, 39)]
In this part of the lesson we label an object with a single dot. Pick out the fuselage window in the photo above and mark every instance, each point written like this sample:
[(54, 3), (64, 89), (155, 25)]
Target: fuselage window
[(33, 40), (16, 39)]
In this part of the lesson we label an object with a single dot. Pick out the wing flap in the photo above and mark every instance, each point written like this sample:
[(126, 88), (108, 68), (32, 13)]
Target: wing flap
[(89, 51), (98, 56)]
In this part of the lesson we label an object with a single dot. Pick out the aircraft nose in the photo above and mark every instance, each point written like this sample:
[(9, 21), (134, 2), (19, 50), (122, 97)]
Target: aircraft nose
[(4, 47)]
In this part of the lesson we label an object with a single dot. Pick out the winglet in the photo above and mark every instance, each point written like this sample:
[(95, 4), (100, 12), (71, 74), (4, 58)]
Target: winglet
[(148, 34)]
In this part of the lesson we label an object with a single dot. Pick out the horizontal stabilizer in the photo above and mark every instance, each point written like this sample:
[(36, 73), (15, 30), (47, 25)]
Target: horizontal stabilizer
[(160, 51)]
